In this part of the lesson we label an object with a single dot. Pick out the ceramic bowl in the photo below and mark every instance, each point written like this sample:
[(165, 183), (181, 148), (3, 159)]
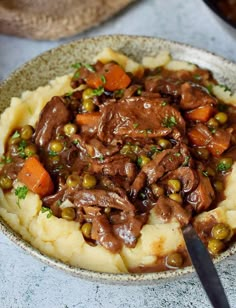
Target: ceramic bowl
[(56, 62)]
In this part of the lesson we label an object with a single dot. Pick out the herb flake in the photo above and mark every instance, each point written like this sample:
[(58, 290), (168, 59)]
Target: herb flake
[(76, 65), (21, 193), (89, 67), (169, 122), (47, 210), (99, 91)]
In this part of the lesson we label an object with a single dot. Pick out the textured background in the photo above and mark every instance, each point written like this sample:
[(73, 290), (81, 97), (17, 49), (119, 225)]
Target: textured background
[(26, 282)]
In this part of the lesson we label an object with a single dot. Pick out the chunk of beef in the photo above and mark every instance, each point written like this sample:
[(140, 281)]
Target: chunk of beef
[(167, 209), (163, 162), (94, 147), (53, 115), (129, 230), (202, 197), (194, 96), (138, 117), (187, 176), (102, 198), (115, 165), (103, 233), (168, 86)]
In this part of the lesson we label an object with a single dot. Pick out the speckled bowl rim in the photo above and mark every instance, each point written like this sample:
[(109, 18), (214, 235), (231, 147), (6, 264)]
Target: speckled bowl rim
[(130, 278)]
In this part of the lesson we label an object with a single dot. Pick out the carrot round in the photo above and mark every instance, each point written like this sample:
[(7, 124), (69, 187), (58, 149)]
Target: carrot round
[(35, 177)]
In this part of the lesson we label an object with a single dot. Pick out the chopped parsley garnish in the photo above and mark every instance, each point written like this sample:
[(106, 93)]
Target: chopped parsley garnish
[(135, 125), (209, 88), (154, 149), (205, 173), (139, 91), (226, 88), (69, 93), (16, 135), (164, 103), (197, 77), (21, 193), (222, 107), (76, 75), (76, 65), (52, 153), (186, 161), (169, 122), (21, 148), (118, 93), (103, 79), (89, 67), (224, 166), (76, 141), (177, 154), (47, 210), (5, 160), (58, 203), (101, 158), (139, 161), (99, 91)]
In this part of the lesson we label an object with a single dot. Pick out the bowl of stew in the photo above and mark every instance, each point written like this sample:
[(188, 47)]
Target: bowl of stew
[(226, 11), (109, 146)]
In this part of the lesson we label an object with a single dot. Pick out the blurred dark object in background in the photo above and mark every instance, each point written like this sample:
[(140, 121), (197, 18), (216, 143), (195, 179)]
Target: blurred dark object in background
[(226, 10), (49, 19)]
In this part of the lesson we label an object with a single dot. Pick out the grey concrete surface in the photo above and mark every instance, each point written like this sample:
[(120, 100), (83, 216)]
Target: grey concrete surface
[(25, 281)]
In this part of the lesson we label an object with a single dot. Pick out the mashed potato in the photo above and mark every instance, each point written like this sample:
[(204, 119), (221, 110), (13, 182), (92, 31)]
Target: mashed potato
[(63, 239)]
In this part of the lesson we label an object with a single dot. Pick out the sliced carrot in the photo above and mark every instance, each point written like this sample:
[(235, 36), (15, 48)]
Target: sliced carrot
[(219, 143), (36, 177), (112, 77), (90, 118), (201, 114), (94, 80), (116, 78), (199, 136)]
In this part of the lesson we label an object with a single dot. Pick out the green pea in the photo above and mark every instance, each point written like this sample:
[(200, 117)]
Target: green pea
[(68, 213), (89, 105), (143, 160), (70, 129), (157, 190), (215, 246), (174, 185), (175, 259), (73, 180), (26, 132), (203, 153), (30, 150), (164, 143), (89, 181), (176, 197), (56, 146), (87, 93), (220, 231), (213, 123), (86, 229), (224, 164), (221, 117), (5, 182)]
